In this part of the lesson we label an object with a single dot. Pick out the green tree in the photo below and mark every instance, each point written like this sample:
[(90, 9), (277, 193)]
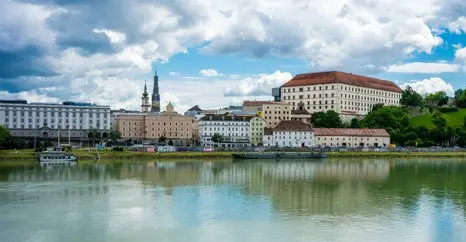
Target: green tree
[(217, 138), (458, 93), (162, 139), (170, 142), (4, 133), (460, 98), (93, 135), (439, 121), (329, 119), (377, 106), (439, 98), (114, 135), (409, 97), (355, 123)]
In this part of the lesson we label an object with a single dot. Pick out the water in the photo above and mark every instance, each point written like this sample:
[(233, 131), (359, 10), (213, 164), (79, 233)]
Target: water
[(339, 200)]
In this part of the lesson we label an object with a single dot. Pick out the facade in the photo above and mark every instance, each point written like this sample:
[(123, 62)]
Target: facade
[(43, 120), (351, 137), (275, 112), (152, 126), (115, 113), (289, 133), (235, 130), (257, 125), (348, 94), (155, 95)]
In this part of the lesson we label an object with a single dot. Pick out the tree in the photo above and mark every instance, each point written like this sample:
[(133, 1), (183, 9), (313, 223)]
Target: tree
[(409, 97), (394, 119), (170, 142), (329, 119), (460, 98), (377, 106), (217, 138), (162, 139), (355, 123), (439, 98), (114, 135), (439, 121), (93, 135), (4, 133)]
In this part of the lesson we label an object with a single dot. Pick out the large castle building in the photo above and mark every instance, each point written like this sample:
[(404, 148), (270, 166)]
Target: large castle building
[(350, 95)]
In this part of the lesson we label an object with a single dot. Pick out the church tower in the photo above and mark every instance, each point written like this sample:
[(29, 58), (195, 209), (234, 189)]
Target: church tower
[(155, 95), (145, 100)]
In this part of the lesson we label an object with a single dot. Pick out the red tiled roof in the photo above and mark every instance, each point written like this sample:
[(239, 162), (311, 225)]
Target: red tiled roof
[(351, 132), (341, 77), (292, 125)]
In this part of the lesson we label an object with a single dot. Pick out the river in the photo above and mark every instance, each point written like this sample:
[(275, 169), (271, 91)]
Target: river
[(334, 200)]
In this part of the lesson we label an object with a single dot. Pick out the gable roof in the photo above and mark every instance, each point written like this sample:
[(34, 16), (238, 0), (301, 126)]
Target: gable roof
[(255, 103), (343, 78), (195, 108), (351, 132), (292, 125)]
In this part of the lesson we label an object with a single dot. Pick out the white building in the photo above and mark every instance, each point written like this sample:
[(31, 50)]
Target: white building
[(25, 119), (236, 131), (348, 94), (289, 133), (351, 137)]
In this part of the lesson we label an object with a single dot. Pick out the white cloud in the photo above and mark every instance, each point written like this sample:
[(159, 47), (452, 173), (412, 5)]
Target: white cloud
[(113, 36), (260, 85), (210, 73), (424, 67), (430, 85), (173, 73), (458, 26), (460, 54)]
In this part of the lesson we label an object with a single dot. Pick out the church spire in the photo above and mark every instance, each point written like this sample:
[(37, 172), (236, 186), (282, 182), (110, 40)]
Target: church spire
[(145, 94), (145, 100), (155, 94)]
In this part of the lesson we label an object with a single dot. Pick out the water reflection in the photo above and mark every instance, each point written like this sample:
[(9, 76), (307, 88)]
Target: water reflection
[(269, 201)]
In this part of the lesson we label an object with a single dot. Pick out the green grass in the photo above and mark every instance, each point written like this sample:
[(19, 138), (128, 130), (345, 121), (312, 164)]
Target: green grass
[(454, 119)]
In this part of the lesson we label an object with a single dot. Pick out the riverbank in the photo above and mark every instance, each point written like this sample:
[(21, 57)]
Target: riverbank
[(13, 156)]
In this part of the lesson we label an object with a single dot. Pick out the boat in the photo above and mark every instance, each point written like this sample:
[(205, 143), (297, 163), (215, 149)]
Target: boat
[(282, 155), (57, 158)]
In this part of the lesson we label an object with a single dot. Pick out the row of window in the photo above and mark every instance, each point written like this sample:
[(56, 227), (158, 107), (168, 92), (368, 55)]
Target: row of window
[(344, 88), (58, 109), (344, 139), (224, 129)]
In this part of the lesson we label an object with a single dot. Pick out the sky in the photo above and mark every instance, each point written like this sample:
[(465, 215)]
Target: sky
[(215, 53)]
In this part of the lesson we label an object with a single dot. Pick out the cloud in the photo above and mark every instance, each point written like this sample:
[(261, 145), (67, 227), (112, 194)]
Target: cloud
[(113, 36), (424, 67), (430, 85), (458, 26), (460, 54), (260, 85), (173, 73), (210, 72)]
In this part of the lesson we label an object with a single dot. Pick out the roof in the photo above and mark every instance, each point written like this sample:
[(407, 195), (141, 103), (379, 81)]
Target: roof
[(268, 131), (343, 78), (221, 117), (351, 132), (195, 108), (256, 103), (292, 125)]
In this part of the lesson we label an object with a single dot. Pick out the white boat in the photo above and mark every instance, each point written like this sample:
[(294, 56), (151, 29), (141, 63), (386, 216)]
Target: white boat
[(57, 158)]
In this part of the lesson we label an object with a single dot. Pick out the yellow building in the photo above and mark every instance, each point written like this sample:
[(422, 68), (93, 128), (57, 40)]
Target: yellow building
[(152, 126)]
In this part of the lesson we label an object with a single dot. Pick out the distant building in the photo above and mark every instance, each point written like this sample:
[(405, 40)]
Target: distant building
[(193, 111), (348, 94), (155, 95), (153, 126), (289, 133), (340, 137), (43, 120), (236, 131)]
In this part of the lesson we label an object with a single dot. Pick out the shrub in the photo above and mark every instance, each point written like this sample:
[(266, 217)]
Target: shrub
[(118, 149), (448, 109)]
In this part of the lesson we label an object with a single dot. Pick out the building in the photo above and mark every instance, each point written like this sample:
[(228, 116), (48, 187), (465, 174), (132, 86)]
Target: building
[(340, 137), (289, 133), (43, 120), (348, 94), (155, 95), (193, 111), (115, 113), (145, 100), (169, 124), (235, 130), (257, 125)]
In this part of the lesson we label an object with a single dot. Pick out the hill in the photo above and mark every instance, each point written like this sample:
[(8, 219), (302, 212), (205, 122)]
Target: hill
[(454, 119)]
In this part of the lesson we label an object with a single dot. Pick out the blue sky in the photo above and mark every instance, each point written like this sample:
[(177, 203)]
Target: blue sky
[(216, 53)]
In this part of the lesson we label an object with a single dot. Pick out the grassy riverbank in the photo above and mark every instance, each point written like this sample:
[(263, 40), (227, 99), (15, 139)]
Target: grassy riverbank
[(12, 157)]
